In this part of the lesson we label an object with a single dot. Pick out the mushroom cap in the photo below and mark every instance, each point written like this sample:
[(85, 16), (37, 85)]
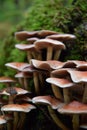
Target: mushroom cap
[(23, 35), (2, 120), (83, 126), (5, 79), (45, 43), (14, 91), (48, 100), (73, 107), (62, 37), (23, 75), (78, 76), (60, 73), (18, 107), (82, 67), (32, 40), (17, 65), (40, 64), (26, 47), (44, 33), (73, 63), (46, 65), (62, 83)]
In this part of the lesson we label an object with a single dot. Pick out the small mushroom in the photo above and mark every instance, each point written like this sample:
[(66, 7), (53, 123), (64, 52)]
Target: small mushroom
[(79, 77), (52, 103), (7, 80), (50, 100), (17, 65), (32, 52), (74, 108), (62, 83), (50, 45), (24, 78)]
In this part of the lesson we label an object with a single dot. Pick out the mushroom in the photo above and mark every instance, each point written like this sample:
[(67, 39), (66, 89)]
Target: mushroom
[(32, 52), (62, 83), (7, 80), (50, 45), (48, 66), (79, 77), (48, 100), (52, 103), (24, 76), (35, 73), (19, 66), (23, 35), (18, 108), (74, 108)]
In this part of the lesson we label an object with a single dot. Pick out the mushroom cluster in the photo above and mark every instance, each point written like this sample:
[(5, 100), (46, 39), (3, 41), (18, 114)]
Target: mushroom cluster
[(60, 86)]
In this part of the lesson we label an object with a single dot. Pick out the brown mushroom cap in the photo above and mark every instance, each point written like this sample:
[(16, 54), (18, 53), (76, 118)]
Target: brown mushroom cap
[(5, 79), (62, 83), (23, 75), (16, 90), (62, 37), (2, 120), (32, 40), (45, 43), (18, 107), (82, 67), (17, 65), (44, 33), (23, 35), (60, 73), (74, 107), (46, 65), (73, 63), (50, 100), (26, 47), (78, 76)]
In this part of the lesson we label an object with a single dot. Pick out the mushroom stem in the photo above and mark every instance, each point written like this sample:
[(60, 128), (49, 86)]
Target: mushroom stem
[(56, 91), (36, 83), (57, 54), (84, 100), (75, 122), (21, 122), (56, 119), (21, 82), (25, 84), (15, 121), (49, 53), (66, 95), (29, 56)]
